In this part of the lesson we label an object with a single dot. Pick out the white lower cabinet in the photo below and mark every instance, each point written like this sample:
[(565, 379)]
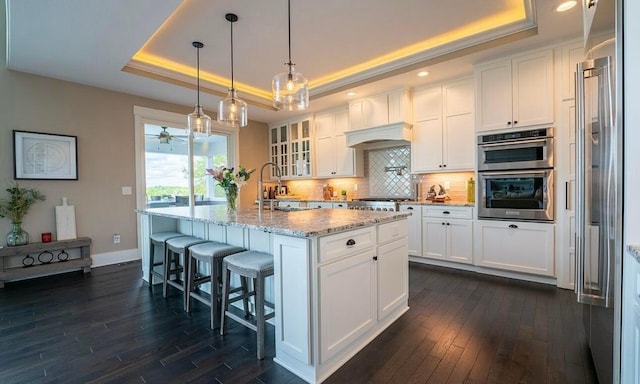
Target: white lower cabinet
[(447, 234), (515, 246), (415, 228), (393, 277), (347, 302)]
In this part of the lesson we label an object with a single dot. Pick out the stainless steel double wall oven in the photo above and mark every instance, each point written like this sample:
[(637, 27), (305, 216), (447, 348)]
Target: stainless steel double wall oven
[(515, 173)]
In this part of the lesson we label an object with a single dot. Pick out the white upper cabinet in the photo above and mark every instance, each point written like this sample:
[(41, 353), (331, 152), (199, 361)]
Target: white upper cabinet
[(516, 92), (443, 133), (382, 109), (290, 148), (333, 157)]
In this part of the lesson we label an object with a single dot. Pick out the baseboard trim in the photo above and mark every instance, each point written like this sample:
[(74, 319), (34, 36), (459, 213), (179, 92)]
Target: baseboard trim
[(109, 258), (485, 271)]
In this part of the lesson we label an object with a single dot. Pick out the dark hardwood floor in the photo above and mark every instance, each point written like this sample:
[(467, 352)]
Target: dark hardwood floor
[(108, 327)]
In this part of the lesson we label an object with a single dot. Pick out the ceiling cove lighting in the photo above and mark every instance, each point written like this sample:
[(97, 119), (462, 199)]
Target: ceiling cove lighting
[(197, 122), (232, 111), (290, 89), (566, 5)]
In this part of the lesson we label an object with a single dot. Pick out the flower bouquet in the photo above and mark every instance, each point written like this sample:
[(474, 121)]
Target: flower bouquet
[(231, 182)]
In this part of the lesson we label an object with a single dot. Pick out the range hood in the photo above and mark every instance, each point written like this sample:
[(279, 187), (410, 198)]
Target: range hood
[(389, 135)]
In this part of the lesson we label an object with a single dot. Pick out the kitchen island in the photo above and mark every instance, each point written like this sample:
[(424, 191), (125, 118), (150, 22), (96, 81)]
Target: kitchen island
[(341, 277)]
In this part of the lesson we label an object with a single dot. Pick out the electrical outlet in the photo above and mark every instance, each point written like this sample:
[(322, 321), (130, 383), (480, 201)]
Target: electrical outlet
[(447, 185), (116, 238)]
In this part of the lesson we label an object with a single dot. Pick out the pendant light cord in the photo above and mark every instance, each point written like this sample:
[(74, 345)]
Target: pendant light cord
[(198, 76), (289, 16), (232, 54)]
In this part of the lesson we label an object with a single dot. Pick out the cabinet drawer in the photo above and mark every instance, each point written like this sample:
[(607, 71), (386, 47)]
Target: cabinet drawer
[(447, 212), (344, 244), (392, 231)]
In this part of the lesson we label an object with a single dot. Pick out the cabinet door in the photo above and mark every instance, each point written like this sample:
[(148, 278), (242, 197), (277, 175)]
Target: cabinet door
[(393, 277), (434, 238), (427, 104), (533, 89), (426, 146), (347, 302), (516, 246), (415, 228), (459, 147), (460, 241), (344, 156), (325, 144), (494, 96), (458, 98)]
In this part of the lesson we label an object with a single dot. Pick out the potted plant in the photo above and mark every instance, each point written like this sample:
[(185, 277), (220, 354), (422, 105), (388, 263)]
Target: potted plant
[(15, 208), (343, 194)]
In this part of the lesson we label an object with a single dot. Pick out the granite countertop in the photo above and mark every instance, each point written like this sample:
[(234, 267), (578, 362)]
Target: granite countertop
[(634, 250), (308, 223), (447, 203)]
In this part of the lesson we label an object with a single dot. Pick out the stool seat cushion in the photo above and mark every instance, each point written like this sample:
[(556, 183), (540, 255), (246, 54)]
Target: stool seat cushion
[(164, 236), (251, 261), (183, 242), (213, 249)]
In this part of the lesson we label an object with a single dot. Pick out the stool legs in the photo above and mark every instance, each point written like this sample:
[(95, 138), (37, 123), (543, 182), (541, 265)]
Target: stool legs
[(260, 322), (226, 277)]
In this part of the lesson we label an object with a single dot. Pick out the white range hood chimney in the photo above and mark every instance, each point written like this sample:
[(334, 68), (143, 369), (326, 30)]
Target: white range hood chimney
[(389, 135)]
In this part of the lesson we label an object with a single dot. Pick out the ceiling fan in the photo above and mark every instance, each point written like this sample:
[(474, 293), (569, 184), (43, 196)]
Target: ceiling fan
[(164, 137)]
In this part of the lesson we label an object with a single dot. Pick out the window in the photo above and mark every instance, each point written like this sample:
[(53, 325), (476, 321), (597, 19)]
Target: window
[(162, 160)]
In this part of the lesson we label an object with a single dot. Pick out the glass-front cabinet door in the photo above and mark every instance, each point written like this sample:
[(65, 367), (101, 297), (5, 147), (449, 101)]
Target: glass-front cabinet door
[(290, 148), (279, 149), (300, 144)]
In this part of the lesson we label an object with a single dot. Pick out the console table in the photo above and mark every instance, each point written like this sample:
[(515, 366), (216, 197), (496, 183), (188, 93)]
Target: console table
[(45, 258)]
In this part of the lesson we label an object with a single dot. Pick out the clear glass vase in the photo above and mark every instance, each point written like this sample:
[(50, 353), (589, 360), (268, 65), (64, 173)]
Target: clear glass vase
[(17, 236), (231, 193)]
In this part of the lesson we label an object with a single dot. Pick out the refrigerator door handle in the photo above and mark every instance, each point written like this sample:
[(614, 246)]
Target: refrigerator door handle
[(580, 175)]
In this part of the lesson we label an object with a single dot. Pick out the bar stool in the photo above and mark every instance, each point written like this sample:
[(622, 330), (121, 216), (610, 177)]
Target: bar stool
[(257, 266), (158, 240), (176, 248), (212, 253)]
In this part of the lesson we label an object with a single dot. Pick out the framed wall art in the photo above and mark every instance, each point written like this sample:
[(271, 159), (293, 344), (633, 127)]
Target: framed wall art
[(45, 156)]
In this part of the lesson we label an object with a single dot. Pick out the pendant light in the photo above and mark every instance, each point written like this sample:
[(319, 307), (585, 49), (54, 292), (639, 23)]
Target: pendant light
[(290, 89), (197, 122), (232, 111)]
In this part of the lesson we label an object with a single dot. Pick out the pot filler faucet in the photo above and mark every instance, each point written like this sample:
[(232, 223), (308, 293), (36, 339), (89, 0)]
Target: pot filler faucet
[(260, 185)]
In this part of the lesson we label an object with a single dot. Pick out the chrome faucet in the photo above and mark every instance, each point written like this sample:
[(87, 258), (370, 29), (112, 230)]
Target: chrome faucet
[(261, 187)]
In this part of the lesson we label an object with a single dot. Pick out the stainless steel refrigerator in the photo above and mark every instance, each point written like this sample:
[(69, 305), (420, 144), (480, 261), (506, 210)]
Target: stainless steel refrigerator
[(598, 208)]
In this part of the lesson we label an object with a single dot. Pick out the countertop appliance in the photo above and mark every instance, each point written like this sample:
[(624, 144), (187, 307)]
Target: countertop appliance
[(598, 210), (377, 203)]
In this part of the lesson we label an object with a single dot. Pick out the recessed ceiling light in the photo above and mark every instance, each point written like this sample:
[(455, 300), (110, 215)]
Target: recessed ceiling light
[(423, 73), (566, 5), (351, 93)]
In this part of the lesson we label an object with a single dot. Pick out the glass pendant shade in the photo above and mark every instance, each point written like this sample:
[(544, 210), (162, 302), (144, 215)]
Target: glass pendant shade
[(232, 111), (198, 123), (290, 90)]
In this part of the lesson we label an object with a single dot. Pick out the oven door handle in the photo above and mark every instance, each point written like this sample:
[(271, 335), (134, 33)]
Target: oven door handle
[(527, 173), (517, 144)]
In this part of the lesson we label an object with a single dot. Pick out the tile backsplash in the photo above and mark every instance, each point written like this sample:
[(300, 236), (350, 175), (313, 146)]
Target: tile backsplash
[(389, 171), (385, 175)]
